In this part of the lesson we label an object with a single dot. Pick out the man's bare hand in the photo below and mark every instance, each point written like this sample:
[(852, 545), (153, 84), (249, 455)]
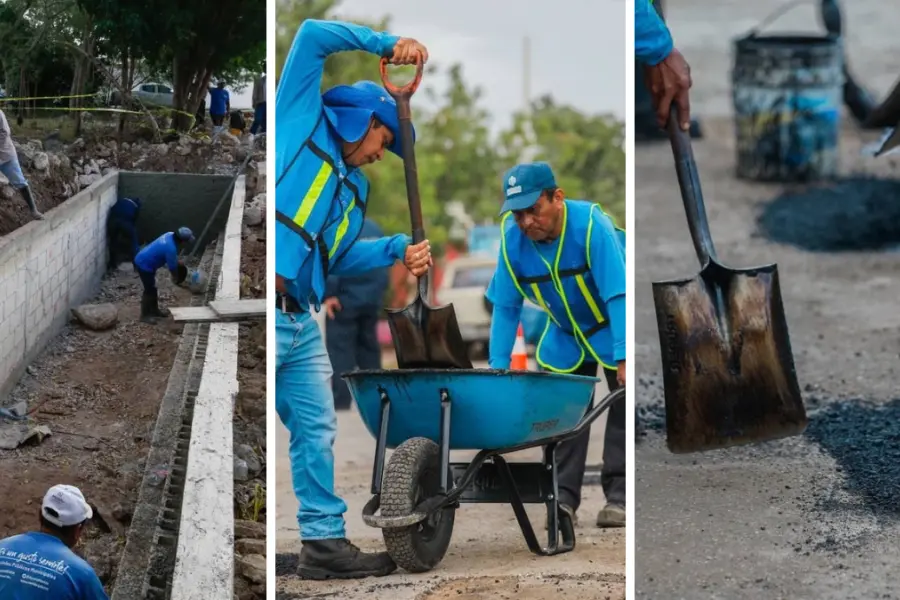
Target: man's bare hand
[(418, 258), (669, 82), (332, 305), (406, 50), (620, 373)]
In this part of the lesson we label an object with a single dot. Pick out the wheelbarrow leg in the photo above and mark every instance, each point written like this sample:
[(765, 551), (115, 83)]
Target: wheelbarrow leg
[(381, 443), (445, 442), (556, 526)]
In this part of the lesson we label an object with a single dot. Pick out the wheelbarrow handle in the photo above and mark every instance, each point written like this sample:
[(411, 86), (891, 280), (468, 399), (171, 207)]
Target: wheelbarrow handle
[(691, 194)]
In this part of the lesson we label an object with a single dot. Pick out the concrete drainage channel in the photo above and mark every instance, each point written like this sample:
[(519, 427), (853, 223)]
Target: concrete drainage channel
[(183, 546), (179, 541)]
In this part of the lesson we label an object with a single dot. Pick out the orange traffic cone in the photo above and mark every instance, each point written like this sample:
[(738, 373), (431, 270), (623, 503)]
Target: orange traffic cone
[(519, 358)]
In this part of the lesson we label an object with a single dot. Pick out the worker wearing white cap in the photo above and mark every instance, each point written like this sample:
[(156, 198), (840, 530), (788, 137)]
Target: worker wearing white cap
[(41, 565)]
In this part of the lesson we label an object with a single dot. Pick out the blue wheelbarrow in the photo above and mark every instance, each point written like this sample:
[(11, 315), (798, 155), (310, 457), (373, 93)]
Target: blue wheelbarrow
[(423, 414)]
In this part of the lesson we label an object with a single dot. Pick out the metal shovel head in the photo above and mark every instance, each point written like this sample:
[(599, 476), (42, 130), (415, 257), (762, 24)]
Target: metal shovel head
[(427, 336), (728, 370)]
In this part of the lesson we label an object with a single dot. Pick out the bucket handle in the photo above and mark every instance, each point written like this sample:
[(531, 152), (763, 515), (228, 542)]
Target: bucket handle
[(775, 15)]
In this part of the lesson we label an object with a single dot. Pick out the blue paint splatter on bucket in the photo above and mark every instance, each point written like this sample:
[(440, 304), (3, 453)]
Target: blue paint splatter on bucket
[(787, 93)]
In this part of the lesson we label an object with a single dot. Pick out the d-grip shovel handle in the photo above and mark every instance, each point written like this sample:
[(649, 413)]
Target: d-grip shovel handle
[(691, 194), (407, 146)]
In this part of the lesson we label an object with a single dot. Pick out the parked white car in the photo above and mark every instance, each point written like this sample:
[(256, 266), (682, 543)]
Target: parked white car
[(155, 94), (465, 281)]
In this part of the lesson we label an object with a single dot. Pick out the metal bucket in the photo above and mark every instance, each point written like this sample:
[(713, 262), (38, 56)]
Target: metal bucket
[(787, 93)]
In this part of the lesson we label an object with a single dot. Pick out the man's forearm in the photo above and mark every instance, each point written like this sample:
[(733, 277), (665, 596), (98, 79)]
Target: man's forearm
[(504, 323), (652, 40), (298, 90), (616, 309), (365, 255)]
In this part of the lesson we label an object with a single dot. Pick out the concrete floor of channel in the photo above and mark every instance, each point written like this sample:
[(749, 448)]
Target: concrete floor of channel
[(810, 517), (488, 557)]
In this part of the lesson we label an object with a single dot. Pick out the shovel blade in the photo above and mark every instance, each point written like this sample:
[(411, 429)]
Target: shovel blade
[(728, 370), (427, 337)]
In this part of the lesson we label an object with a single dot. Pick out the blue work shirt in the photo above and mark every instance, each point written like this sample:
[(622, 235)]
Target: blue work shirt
[(38, 566), (125, 211), (365, 290), (159, 252), (218, 101), (298, 107), (652, 40), (607, 262)]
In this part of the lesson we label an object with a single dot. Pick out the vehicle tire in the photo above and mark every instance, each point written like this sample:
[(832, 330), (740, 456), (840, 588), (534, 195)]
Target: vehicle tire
[(411, 476)]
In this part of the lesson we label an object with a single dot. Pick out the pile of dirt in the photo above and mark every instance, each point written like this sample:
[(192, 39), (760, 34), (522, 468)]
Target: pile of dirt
[(858, 213), (99, 394), (250, 409), (56, 172)]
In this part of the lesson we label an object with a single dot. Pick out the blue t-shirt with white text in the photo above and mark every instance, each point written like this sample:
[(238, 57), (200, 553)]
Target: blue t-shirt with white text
[(38, 566)]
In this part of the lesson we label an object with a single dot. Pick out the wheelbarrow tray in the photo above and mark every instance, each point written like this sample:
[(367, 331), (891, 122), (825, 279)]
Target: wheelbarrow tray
[(491, 408)]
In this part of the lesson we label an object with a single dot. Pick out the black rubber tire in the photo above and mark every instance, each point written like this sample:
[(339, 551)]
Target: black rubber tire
[(412, 475)]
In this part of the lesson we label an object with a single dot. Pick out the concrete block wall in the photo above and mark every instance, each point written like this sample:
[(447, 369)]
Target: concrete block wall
[(46, 267), (172, 200)]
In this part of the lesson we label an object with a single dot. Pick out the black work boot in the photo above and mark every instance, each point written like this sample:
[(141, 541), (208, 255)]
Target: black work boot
[(339, 559), (29, 199), (147, 304)]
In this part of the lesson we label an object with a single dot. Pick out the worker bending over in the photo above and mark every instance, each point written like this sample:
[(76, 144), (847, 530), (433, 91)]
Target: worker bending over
[(163, 251), (40, 565), (321, 198), (567, 257)]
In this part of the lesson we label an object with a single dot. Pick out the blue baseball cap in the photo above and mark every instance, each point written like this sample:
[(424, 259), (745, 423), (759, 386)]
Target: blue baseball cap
[(523, 185), (185, 234), (355, 105)]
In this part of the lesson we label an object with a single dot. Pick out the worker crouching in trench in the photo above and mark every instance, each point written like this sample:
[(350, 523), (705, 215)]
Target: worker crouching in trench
[(163, 251)]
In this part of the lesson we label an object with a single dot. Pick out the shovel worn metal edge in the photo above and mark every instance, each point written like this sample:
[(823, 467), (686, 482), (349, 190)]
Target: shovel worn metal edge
[(726, 388)]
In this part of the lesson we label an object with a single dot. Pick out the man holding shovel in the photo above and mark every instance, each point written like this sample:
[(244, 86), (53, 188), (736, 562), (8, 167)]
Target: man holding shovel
[(668, 74), (567, 257), (321, 194)]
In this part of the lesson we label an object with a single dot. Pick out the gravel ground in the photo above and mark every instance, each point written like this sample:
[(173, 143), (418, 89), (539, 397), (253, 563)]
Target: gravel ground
[(814, 516)]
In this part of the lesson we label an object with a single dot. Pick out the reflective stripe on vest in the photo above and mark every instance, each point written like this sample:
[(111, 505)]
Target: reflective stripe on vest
[(298, 221), (554, 276)]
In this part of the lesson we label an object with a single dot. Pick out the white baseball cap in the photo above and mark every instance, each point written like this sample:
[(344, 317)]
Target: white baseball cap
[(64, 506)]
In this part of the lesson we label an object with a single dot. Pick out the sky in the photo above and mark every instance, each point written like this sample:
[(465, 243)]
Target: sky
[(577, 47)]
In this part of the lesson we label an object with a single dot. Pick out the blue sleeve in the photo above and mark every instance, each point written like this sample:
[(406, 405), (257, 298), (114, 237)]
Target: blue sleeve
[(171, 255), (652, 40), (504, 324), (366, 255), (301, 77), (607, 258)]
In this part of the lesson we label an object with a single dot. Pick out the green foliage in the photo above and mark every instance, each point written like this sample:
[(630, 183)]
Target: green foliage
[(458, 159)]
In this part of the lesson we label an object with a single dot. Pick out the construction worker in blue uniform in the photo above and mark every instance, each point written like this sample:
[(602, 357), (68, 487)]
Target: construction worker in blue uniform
[(321, 198), (42, 565), (567, 257), (121, 231), (667, 73), (163, 251)]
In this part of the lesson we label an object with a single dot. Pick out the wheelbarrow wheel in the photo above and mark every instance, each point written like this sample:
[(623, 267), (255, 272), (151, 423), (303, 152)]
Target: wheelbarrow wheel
[(413, 475)]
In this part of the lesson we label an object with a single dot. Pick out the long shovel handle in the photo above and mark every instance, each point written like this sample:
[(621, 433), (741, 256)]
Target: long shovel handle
[(691, 194), (407, 145)]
